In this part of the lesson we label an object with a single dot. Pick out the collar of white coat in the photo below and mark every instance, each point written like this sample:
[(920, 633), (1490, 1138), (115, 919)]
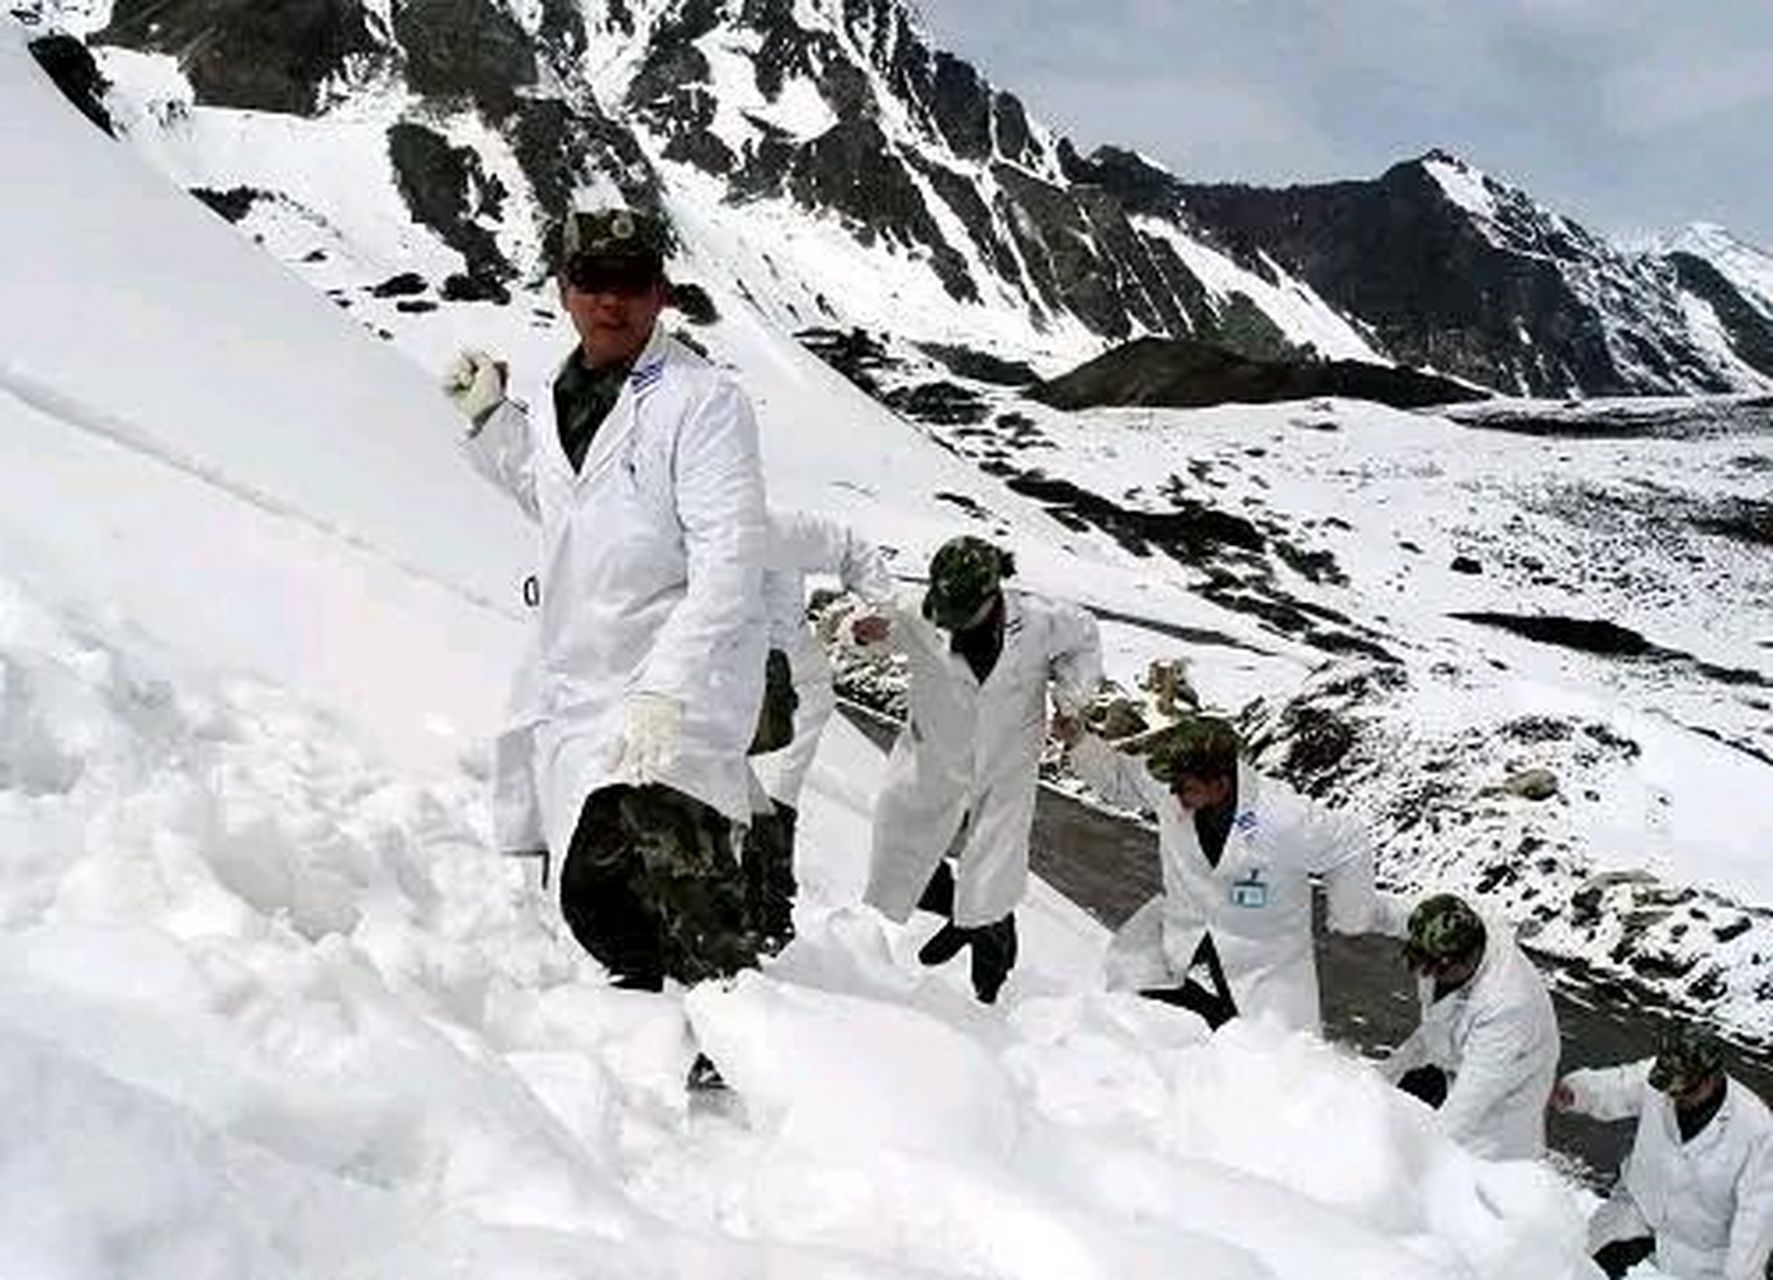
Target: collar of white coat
[(1247, 821), (1716, 1129), (643, 379)]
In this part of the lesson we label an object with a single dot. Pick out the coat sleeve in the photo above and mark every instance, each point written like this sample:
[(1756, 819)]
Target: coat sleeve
[(719, 493), (1496, 1060), (1609, 1093), (1118, 778), (1336, 847), (1409, 1055), (502, 448), (1074, 658), (1751, 1227)]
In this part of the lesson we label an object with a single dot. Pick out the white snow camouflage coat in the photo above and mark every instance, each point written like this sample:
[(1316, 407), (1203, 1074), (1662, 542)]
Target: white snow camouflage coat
[(971, 751), (1497, 1036), (1709, 1202), (651, 568), (1256, 903), (800, 544)]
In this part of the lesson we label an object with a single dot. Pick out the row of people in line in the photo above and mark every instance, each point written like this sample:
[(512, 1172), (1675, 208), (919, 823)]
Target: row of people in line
[(671, 608)]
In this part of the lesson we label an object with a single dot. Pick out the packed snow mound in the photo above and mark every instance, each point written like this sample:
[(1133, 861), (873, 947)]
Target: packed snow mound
[(271, 1008)]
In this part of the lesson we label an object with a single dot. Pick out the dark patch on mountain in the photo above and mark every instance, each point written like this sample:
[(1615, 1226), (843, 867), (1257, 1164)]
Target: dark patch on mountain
[(70, 66), (1191, 532), (856, 354), (1751, 333), (980, 366), (1742, 519), (693, 303), (247, 53), (1693, 419), (404, 285), (851, 170), (940, 403), (471, 48), (1496, 308), (1014, 137), (562, 147), (1141, 187), (1586, 635), (234, 203), (446, 189), (960, 102), (1186, 374), (563, 28)]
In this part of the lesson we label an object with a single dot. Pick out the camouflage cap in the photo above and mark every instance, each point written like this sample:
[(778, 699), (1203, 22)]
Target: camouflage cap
[(1203, 747), (1444, 928), (613, 236), (965, 573), (1686, 1056)]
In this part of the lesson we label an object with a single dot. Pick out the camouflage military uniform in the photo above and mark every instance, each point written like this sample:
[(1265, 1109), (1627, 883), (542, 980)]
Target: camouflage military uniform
[(651, 888)]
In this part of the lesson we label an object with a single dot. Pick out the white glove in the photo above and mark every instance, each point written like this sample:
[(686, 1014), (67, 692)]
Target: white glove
[(650, 738), (475, 384)]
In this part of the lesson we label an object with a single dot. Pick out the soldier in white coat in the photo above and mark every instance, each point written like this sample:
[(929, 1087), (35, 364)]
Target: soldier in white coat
[(1696, 1193), (801, 544), (626, 746), (1485, 1053), (1231, 932), (964, 769)]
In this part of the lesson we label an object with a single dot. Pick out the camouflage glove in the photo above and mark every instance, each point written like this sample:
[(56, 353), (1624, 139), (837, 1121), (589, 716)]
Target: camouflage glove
[(475, 384)]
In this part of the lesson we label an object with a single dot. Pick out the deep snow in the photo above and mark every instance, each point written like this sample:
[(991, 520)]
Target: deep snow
[(270, 1006)]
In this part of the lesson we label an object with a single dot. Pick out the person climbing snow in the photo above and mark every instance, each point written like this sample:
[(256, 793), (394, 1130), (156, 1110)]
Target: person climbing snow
[(626, 747), (1485, 1053), (1231, 932), (1696, 1192), (800, 544), (963, 771)]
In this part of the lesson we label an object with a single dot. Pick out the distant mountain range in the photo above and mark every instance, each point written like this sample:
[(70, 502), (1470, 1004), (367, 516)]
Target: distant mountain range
[(847, 173)]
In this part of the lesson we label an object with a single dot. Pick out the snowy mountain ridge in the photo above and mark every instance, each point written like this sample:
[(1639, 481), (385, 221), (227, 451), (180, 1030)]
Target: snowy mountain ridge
[(857, 176)]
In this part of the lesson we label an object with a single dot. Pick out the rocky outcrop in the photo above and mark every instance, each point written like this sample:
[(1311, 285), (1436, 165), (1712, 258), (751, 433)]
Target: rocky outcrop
[(1749, 329), (1187, 375), (1512, 297), (246, 53), (466, 48), (70, 65), (447, 190)]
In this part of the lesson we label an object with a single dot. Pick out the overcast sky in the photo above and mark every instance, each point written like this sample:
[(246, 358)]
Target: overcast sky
[(1630, 115)]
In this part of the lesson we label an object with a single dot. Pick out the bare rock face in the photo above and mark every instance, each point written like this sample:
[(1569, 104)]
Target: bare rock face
[(447, 190), (71, 66), (246, 53), (470, 48), (1532, 784)]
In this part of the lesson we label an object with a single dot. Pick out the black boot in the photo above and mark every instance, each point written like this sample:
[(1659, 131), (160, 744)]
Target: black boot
[(994, 955)]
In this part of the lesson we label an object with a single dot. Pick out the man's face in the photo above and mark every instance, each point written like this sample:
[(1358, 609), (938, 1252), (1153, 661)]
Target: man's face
[(613, 311), (1194, 793)]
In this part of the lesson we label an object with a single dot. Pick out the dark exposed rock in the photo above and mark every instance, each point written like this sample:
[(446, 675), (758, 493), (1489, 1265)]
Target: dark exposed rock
[(856, 354), (960, 101), (693, 303), (70, 65), (1139, 186), (1191, 531), (562, 147), (1492, 304), (1589, 635), (472, 48), (980, 366), (447, 190), (1187, 374), (1751, 333), (246, 53), (415, 305), (403, 285), (563, 28), (471, 288), (851, 170), (942, 403), (1466, 565), (234, 203), (1015, 140)]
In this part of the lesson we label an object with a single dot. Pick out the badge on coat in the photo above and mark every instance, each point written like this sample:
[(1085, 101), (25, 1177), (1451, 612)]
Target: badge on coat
[(1249, 890)]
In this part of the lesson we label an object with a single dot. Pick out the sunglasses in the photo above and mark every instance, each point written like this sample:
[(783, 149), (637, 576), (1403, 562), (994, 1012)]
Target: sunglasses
[(601, 275)]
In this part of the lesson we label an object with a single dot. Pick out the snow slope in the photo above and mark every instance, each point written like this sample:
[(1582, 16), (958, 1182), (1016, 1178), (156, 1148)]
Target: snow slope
[(270, 1006)]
